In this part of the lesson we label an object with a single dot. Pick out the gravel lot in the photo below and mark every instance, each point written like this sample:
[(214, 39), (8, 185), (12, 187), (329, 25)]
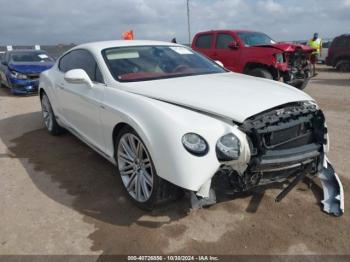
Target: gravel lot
[(60, 197)]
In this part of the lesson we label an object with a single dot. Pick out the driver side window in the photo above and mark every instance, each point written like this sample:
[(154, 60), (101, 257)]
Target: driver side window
[(81, 59), (223, 40)]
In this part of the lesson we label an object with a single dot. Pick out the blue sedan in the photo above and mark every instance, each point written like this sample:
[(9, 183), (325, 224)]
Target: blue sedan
[(20, 70)]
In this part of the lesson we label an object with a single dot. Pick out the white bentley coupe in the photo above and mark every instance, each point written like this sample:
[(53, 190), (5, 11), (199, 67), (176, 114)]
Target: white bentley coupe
[(172, 120)]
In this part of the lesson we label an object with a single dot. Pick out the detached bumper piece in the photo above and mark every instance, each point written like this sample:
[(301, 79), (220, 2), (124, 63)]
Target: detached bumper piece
[(291, 185), (198, 202), (333, 192)]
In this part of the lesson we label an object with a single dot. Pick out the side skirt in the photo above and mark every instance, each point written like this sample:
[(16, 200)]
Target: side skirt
[(96, 149)]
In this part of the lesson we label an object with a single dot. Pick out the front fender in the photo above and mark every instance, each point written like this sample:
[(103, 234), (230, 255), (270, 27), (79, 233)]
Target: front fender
[(161, 126)]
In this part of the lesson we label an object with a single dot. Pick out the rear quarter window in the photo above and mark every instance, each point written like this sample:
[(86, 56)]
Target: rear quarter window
[(204, 41)]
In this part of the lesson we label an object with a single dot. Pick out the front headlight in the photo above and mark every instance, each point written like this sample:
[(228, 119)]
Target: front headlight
[(228, 148), (195, 144), (18, 75)]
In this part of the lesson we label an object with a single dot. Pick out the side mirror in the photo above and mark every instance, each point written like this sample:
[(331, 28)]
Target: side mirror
[(219, 63), (78, 76), (233, 45)]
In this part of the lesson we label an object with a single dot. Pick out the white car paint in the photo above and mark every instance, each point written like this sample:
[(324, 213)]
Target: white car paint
[(229, 95), (162, 111)]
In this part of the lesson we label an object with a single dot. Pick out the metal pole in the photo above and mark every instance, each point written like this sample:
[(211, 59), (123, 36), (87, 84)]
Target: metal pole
[(188, 22)]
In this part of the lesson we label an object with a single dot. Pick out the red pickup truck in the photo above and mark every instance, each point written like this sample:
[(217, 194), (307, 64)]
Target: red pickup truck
[(256, 54)]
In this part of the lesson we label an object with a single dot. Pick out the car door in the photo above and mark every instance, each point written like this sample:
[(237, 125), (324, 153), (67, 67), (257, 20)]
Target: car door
[(228, 56), (80, 103), (204, 44), (342, 47)]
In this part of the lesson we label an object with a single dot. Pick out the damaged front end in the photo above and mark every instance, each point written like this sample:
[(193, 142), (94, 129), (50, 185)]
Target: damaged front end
[(286, 144), (299, 68)]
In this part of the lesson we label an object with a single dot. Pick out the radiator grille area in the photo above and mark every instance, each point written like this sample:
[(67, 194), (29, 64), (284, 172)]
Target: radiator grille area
[(285, 134)]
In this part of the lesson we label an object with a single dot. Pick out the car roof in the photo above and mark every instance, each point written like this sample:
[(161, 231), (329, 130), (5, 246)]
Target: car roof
[(227, 30), (122, 43), (344, 35), (26, 50)]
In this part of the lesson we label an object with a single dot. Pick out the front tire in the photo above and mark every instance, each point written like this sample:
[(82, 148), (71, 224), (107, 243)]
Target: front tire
[(301, 84), (343, 65), (260, 72), (49, 117), (138, 174)]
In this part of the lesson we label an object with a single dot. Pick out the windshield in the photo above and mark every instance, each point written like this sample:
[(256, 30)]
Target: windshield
[(30, 57), (139, 63), (255, 38)]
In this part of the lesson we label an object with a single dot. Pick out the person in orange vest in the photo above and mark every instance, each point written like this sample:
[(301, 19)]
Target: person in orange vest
[(129, 35), (315, 43)]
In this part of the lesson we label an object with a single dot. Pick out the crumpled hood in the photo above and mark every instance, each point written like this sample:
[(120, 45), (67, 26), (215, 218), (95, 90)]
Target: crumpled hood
[(30, 68), (230, 95), (287, 47)]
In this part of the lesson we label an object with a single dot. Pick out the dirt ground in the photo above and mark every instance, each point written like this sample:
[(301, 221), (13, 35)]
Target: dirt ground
[(57, 196)]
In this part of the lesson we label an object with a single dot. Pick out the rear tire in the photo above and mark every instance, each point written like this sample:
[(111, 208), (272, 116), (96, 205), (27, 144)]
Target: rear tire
[(260, 72), (49, 117), (138, 174), (343, 65)]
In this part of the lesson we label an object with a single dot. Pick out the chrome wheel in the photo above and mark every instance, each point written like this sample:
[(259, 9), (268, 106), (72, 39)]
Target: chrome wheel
[(135, 167), (47, 112)]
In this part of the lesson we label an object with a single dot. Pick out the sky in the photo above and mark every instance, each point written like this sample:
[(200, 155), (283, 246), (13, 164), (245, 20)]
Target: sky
[(31, 22)]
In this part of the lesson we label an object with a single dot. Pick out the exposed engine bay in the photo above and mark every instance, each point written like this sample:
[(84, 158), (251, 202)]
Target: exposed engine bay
[(299, 68), (285, 138)]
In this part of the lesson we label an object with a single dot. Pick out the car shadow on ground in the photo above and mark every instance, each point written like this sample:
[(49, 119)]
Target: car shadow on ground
[(257, 195), (82, 173)]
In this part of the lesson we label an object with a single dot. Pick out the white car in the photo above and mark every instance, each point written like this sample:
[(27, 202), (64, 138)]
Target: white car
[(171, 120)]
